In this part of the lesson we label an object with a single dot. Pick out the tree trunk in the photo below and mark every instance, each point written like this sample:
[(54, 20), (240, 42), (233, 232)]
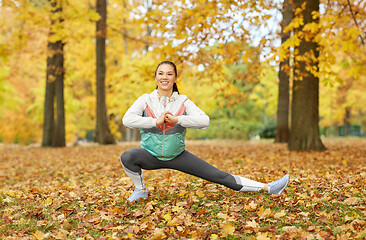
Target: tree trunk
[(54, 126), (282, 130), (347, 122), (59, 135), (48, 112), (148, 27), (304, 134), (103, 134), (125, 34)]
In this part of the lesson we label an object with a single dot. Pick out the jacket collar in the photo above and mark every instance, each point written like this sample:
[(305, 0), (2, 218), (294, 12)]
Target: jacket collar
[(172, 98)]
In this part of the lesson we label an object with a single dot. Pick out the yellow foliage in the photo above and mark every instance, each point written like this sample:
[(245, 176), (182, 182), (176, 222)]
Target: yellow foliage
[(191, 35)]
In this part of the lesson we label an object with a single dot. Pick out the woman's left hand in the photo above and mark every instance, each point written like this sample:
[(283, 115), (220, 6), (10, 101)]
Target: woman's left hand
[(169, 118)]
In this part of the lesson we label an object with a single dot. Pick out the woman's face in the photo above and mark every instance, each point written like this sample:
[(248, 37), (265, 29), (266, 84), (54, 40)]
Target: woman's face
[(165, 77)]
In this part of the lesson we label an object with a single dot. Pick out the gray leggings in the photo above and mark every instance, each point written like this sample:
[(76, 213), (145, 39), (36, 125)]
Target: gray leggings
[(136, 159)]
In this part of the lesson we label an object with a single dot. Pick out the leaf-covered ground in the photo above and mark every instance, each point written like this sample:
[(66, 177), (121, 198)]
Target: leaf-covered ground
[(80, 193)]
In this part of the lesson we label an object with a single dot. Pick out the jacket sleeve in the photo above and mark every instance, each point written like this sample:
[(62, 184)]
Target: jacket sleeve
[(195, 118), (133, 117)]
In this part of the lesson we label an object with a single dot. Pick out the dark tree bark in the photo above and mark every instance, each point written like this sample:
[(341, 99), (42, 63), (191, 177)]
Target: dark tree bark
[(103, 134), (48, 112), (148, 27), (347, 122), (54, 126), (304, 134), (59, 135), (282, 130)]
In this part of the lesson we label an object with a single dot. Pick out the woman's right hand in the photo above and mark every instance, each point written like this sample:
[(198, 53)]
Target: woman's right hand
[(161, 119)]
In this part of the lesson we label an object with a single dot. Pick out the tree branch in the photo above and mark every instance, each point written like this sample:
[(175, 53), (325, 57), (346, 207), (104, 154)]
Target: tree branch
[(354, 18)]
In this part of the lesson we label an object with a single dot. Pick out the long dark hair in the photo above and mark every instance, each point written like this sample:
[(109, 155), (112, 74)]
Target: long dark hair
[(175, 88)]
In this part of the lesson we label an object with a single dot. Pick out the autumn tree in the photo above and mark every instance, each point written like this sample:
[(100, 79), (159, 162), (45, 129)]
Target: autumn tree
[(304, 133), (346, 59), (103, 134), (282, 130), (54, 126), (181, 32)]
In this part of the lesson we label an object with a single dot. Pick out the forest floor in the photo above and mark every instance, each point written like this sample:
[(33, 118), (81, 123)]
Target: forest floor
[(80, 193)]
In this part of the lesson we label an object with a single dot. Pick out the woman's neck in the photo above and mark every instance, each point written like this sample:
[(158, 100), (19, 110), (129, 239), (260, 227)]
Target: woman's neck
[(163, 93)]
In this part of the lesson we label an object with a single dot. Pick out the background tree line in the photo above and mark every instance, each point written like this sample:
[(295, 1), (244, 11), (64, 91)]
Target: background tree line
[(69, 69)]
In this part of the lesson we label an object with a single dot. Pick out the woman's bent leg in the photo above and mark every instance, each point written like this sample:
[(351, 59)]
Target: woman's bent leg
[(133, 161)]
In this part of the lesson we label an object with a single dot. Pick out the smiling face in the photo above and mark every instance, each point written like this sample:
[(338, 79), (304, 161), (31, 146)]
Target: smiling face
[(165, 78)]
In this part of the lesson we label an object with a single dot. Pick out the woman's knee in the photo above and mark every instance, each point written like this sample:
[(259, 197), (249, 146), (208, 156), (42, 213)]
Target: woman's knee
[(128, 157)]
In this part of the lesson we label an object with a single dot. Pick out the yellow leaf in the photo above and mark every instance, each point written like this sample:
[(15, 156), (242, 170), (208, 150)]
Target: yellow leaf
[(280, 214), (167, 217), (200, 193), (264, 213), (129, 235), (214, 237), (176, 209), (252, 205), (252, 224), (158, 234), (228, 228), (62, 234), (311, 27), (173, 222), (262, 236), (38, 235), (223, 216), (48, 201)]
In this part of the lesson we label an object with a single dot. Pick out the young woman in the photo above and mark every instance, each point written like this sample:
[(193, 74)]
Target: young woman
[(163, 117)]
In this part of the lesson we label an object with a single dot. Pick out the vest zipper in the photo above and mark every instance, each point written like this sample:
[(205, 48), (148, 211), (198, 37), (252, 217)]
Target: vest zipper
[(164, 103)]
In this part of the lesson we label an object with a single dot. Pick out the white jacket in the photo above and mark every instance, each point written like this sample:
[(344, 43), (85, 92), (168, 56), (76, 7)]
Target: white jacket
[(194, 117), (165, 141)]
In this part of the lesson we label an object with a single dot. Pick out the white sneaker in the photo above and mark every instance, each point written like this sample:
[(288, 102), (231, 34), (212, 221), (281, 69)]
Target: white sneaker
[(278, 186), (137, 195)]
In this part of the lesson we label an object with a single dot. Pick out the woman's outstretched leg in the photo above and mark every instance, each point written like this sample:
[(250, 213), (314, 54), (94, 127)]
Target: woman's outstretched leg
[(193, 165)]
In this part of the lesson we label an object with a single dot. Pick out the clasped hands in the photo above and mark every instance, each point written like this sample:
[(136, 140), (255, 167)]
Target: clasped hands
[(166, 117)]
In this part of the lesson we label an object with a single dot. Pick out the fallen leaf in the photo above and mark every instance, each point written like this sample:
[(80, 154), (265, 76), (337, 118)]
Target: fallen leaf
[(158, 234), (167, 217), (200, 194), (214, 237), (38, 235), (351, 201), (262, 236), (264, 213), (228, 228), (48, 201), (252, 224), (280, 214), (222, 216)]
